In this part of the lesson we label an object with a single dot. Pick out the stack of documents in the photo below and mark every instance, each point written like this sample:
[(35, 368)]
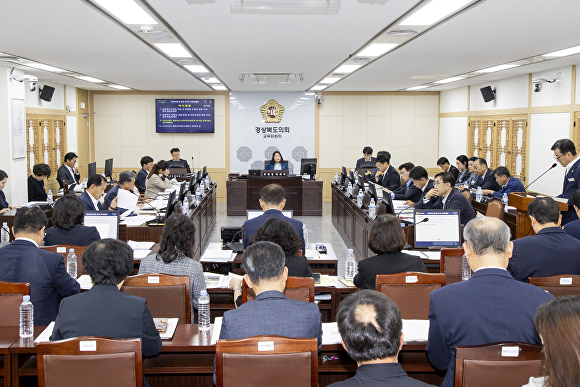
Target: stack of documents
[(218, 256), (140, 249), (432, 255), (213, 280), (137, 220)]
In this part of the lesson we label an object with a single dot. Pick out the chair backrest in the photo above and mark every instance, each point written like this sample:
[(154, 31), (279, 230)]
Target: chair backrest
[(498, 364), (495, 208), (297, 288), (10, 299), (63, 250), (410, 291), (451, 261), (467, 194), (101, 361), (380, 209), (167, 295), (558, 285), (267, 361)]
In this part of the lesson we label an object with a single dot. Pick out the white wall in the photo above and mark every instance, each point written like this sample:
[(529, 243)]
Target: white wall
[(453, 137), (454, 100), (33, 97), (71, 98), (510, 93)]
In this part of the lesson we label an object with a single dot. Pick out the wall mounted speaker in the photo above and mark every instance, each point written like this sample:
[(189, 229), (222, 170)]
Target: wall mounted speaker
[(487, 93), (46, 93)]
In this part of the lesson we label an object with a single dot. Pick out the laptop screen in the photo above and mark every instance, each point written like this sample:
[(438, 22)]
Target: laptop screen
[(437, 228), (251, 214), (106, 222)]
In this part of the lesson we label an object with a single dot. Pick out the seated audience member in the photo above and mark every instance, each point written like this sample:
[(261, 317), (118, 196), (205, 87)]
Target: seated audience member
[(36, 193), (565, 154), (272, 201), (23, 261), (472, 179), (485, 177), (367, 156), (445, 196), (4, 206), (558, 323), (68, 172), (445, 166), (146, 166), (385, 175), (573, 228), (488, 308), (126, 182), (176, 156), (462, 162), (105, 311), (371, 329), (386, 240), (551, 251), (96, 186), (277, 162), (270, 313), (506, 181), (407, 191), (157, 180), (68, 216), (421, 181), (175, 256)]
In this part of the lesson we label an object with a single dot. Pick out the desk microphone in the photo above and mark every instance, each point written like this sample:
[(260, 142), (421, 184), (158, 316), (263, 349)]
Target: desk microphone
[(553, 166), (404, 209), (424, 220), (159, 218)]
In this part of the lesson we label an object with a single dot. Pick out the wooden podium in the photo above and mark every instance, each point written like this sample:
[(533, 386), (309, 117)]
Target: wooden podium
[(521, 200)]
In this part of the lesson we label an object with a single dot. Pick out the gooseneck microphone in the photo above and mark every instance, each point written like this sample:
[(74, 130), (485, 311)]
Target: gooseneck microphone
[(424, 220), (159, 218), (552, 167)]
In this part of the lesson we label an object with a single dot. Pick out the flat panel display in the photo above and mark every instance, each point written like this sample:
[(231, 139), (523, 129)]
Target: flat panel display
[(184, 116), (106, 222), (437, 228)]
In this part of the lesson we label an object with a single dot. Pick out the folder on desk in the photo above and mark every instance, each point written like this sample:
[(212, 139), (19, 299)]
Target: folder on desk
[(218, 256)]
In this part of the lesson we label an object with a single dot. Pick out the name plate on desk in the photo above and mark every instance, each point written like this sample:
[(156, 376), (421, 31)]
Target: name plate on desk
[(274, 173)]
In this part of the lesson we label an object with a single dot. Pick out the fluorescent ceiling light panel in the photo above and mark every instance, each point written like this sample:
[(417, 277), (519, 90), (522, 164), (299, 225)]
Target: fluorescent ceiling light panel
[(452, 79), (211, 80), (318, 87), (565, 52), (119, 87), (497, 68), (309, 93), (196, 68), (329, 80), (433, 12), (174, 50), (346, 68), (417, 87), (219, 87), (377, 49), (89, 79), (44, 67), (127, 11), (305, 98)]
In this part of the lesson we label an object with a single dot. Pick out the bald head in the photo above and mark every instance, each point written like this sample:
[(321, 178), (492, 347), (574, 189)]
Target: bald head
[(487, 242), (367, 314)]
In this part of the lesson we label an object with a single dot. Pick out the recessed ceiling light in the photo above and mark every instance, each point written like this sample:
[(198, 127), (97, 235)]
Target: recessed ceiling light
[(174, 50), (196, 68), (119, 87), (377, 49), (452, 79), (219, 87), (347, 68), (433, 12), (211, 80), (127, 11), (497, 68), (318, 87), (44, 67), (329, 80), (305, 98), (565, 52), (416, 87), (309, 93), (89, 79), (402, 32)]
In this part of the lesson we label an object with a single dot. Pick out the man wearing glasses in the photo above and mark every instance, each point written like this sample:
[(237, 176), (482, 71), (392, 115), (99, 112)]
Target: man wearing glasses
[(565, 154)]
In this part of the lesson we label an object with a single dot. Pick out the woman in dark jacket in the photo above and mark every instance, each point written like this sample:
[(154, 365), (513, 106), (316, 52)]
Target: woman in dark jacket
[(36, 192), (68, 216)]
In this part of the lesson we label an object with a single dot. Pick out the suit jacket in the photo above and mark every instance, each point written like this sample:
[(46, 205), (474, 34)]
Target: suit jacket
[(36, 191), (390, 179), (455, 201), (86, 198), (463, 176), (22, 261), (413, 193), (140, 180), (64, 174), (156, 184), (79, 235), (105, 311), (380, 375), (389, 263), (298, 266), (551, 251), (110, 196), (362, 160), (489, 308), (3, 201), (270, 166), (454, 171), (271, 313), (430, 185), (488, 181), (573, 228), (571, 185), (513, 185), (251, 226)]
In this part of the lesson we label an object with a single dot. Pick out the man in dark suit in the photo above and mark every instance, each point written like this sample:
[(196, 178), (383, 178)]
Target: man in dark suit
[(68, 172), (421, 182), (565, 154), (573, 228), (445, 196), (506, 181), (371, 329), (176, 156), (490, 307), (551, 251), (126, 182), (367, 157), (445, 166), (96, 186), (486, 178), (23, 261), (386, 175), (146, 166), (407, 191), (272, 201)]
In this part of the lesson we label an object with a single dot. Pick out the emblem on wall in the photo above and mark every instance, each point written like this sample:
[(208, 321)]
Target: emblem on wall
[(272, 112)]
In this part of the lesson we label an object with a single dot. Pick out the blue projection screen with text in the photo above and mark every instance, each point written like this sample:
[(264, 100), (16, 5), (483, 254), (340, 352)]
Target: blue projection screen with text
[(184, 116)]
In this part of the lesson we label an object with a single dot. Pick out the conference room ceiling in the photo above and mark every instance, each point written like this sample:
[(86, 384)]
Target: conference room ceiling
[(73, 35)]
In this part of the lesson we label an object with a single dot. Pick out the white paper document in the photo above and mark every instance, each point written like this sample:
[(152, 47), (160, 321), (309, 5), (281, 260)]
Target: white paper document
[(416, 253), (171, 326), (217, 327), (126, 200), (140, 245), (330, 333), (45, 335), (85, 282), (137, 220), (140, 254), (218, 255), (433, 255), (415, 330)]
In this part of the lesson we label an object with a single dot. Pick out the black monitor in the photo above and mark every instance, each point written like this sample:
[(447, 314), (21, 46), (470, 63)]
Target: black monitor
[(372, 191), (204, 173), (182, 191), (170, 205), (192, 183), (198, 176), (351, 176), (388, 203), (92, 169), (308, 166), (367, 165), (361, 181), (437, 228), (177, 164), (344, 171), (109, 168), (345, 182)]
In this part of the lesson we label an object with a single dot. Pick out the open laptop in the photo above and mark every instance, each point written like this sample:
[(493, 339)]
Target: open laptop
[(441, 229)]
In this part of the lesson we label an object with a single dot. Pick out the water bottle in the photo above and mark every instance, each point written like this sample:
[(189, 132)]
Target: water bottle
[(305, 234), (465, 269), (197, 196), (350, 268), (350, 188), (71, 263), (5, 232), (372, 207), (359, 198), (335, 177), (26, 317), (49, 196), (84, 183), (505, 201), (478, 194), (203, 311), (466, 184)]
